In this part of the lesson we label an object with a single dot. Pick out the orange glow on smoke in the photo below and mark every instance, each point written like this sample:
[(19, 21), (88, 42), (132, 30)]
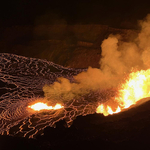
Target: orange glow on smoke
[(43, 106), (136, 87)]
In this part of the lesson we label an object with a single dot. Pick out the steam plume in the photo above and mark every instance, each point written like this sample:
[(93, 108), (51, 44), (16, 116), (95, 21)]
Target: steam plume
[(118, 59)]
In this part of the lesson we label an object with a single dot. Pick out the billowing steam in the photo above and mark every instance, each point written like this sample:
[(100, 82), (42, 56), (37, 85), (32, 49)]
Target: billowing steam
[(118, 59), (22, 79)]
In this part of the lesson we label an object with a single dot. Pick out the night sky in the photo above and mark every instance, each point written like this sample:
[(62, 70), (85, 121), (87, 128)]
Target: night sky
[(110, 12)]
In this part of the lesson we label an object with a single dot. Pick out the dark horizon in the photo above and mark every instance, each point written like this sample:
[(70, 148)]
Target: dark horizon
[(114, 13)]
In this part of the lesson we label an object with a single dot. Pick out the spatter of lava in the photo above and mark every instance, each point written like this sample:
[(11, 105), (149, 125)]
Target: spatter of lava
[(136, 87)]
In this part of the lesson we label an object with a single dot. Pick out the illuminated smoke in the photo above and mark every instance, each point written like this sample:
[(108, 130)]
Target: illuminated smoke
[(26, 77), (118, 59), (22, 80)]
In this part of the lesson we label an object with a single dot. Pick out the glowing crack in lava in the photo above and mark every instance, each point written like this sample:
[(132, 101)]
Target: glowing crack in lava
[(136, 87), (21, 82), (43, 106), (22, 79)]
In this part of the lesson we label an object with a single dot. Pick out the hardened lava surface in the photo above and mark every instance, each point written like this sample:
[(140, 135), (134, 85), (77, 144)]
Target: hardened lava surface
[(21, 82)]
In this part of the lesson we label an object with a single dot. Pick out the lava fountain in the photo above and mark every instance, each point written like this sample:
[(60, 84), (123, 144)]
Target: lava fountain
[(135, 88), (43, 106)]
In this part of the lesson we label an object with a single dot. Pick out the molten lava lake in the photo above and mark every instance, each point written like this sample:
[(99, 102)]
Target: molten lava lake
[(22, 81)]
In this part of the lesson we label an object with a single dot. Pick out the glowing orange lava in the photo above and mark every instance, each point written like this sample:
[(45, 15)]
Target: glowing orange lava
[(136, 87), (43, 106)]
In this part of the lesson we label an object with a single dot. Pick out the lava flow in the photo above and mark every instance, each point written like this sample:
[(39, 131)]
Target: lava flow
[(43, 106), (136, 87)]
